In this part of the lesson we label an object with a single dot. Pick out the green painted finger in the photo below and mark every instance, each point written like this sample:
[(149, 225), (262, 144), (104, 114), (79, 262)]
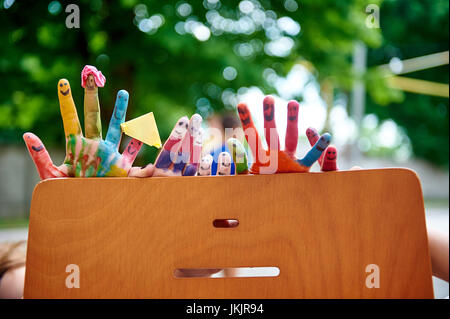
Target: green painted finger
[(92, 123), (239, 155)]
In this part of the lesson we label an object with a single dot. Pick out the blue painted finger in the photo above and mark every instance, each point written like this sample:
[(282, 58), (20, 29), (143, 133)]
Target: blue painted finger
[(120, 110), (164, 160), (315, 152), (190, 170)]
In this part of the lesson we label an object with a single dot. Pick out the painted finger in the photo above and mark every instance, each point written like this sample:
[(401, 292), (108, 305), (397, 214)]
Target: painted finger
[(313, 136), (291, 140), (131, 151), (68, 110), (196, 152), (91, 79), (185, 154), (41, 158), (173, 144), (239, 155), (196, 138), (204, 169), (330, 159), (315, 152), (146, 171), (270, 128), (224, 164), (251, 134), (118, 117)]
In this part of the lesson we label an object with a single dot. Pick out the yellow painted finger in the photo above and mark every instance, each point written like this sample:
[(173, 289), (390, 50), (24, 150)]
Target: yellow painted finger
[(68, 109)]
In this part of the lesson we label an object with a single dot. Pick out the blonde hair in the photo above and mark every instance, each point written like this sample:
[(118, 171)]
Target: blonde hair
[(12, 255)]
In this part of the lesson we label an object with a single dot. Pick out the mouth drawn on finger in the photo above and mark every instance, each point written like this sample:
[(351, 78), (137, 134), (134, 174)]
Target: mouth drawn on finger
[(65, 92), (37, 149), (131, 150)]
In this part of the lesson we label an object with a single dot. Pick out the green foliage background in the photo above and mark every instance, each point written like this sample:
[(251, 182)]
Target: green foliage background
[(174, 74)]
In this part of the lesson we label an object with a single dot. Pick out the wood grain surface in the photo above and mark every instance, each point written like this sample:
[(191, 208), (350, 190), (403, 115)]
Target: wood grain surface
[(128, 235)]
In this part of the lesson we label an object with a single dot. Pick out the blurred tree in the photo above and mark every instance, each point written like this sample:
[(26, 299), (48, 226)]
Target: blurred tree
[(413, 28), (174, 57)]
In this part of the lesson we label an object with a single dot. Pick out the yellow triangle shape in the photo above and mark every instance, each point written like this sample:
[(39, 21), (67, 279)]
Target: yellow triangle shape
[(144, 129)]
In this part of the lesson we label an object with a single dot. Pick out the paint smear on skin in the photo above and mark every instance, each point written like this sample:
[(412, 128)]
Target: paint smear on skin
[(116, 171), (107, 157)]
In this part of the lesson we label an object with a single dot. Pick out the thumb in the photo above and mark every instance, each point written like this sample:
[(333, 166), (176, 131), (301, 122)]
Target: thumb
[(40, 157)]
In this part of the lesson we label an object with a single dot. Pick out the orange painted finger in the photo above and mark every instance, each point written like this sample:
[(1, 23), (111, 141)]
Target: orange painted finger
[(270, 127), (41, 158), (251, 134)]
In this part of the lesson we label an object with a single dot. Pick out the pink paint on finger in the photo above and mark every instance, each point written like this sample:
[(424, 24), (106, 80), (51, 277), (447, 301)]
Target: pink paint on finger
[(330, 159), (99, 78), (313, 136), (41, 158), (270, 127), (131, 151), (291, 139)]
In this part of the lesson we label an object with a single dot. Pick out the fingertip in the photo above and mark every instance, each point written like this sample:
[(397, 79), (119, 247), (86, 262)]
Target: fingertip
[(123, 94), (269, 100), (242, 106), (293, 103), (326, 137), (196, 118), (332, 148)]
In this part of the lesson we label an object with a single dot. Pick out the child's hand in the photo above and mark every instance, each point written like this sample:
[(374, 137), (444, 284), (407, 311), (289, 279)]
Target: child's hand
[(274, 160), (87, 157)]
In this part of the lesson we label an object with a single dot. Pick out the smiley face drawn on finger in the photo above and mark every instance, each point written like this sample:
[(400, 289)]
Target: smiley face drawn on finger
[(132, 148), (205, 165), (198, 138), (269, 108), (33, 143), (63, 88), (293, 111), (312, 133), (180, 129), (119, 108), (38, 148), (90, 83), (244, 115), (331, 153), (195, 124), (224, 164)]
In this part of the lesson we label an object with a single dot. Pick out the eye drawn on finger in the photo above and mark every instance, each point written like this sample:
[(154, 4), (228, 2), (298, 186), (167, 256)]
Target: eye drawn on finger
[(204, 168)]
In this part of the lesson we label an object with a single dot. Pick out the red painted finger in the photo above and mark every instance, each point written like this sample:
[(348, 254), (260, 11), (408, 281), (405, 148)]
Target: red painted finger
[(41, 158), (313, 136), (330, 159), (131, 151), (251, 134), (270, 127), (291, 139)]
